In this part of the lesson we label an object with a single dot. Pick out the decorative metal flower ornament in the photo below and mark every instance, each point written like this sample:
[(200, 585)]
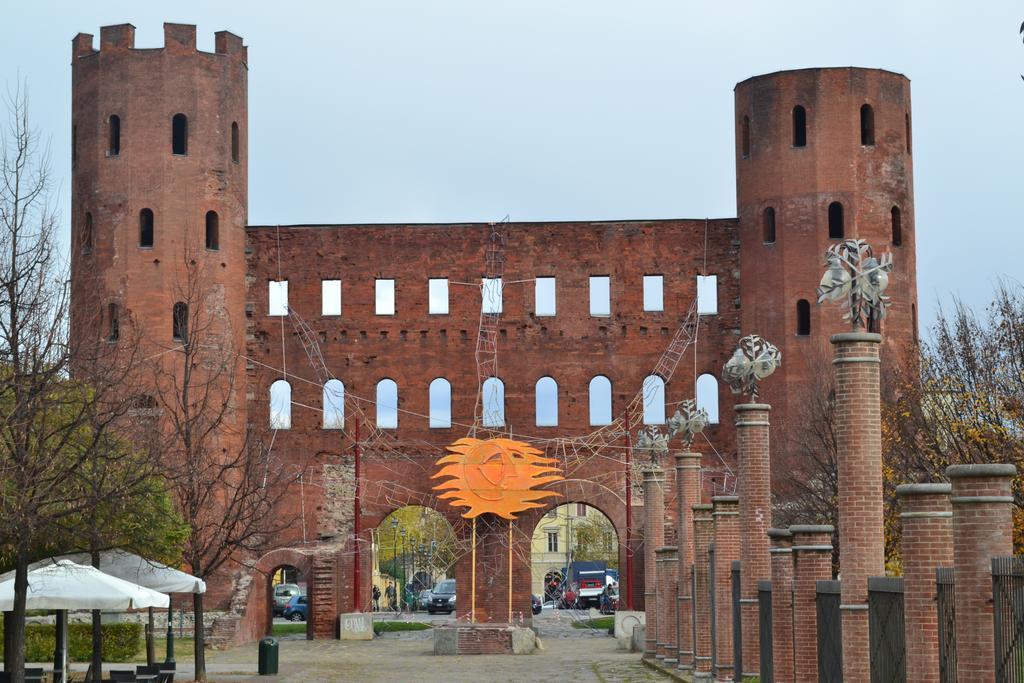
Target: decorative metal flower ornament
[(854, 274), (652, 440), (689, 421), (754, 360)]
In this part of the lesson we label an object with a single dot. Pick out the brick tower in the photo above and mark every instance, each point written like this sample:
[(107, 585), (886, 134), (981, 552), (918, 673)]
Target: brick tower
[(821, 155)]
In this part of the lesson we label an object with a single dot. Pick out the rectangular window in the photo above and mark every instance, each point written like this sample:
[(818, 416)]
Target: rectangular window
[(654, 295), (491, 292), (330, 297), (581, 509), (385, 297), (600, 295), (552, 541), (707, 294), (437, 296), (278, 298), (544, 297)]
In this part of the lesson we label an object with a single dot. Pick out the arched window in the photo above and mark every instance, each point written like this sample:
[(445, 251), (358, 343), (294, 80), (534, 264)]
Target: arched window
[(836, 227), (799, 126), (280, 405), (803, 318), (234, 142), (897, 227), (867, 125), (212, 231), (113, 322), (547, 402), (440, 404), (114, 135), (600, 401), (387, 404), (87, 234), (146, 228), (654, 400), (179, 134), (745, 136), (179, 322), (768, 229), (492, 396), (707, 396), (334, 404)]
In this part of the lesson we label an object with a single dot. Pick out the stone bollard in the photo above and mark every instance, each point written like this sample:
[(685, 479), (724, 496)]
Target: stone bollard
[(982, 529), (782, 605), (927, 543), (687, 495), (703, 539), (654, 537), (812, 562), (727, 550)]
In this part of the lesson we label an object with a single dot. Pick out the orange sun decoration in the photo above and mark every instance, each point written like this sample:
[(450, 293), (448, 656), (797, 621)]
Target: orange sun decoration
[(496, 475)]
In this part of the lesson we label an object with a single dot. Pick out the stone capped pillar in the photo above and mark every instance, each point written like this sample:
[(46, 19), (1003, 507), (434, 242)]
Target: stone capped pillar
[(687, 495), (782, 605), (812, 562), (982, 529), (703, 538), (727, 550), (858, 421), (667, 617), (753, 485), (927, 542), (654, 538)]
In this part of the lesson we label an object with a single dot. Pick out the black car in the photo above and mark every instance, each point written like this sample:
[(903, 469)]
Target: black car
[(442, 598)]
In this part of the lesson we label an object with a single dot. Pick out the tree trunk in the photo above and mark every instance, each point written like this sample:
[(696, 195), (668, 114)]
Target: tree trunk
[(199, 638), (16, 665)]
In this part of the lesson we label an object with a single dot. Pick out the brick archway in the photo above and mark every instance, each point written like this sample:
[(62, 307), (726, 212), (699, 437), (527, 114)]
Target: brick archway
[(257, 620)]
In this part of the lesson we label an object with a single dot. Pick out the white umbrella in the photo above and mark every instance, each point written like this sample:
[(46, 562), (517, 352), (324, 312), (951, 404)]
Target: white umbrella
[(70, 586), (130, 567)]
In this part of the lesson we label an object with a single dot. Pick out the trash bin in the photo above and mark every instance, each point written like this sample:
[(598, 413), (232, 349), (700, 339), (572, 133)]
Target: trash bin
[(268, 656)]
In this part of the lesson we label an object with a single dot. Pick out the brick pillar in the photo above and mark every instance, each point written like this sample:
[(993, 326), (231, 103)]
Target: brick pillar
[(926, 543), (782, 605), (654, 537), (812, 562), (668, 617), (687, 495), (859, 444), (727, 550), (754, 489), (662, 592), (703, 537), (982, 529)]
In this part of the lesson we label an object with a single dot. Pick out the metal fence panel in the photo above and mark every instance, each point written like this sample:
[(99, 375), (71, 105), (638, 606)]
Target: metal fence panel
[(737, 621), (830, 632), (764, 610), (886, 636), (1008, 617), (947, 624)]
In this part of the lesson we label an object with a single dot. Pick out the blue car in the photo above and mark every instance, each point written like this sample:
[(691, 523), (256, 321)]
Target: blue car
[(296, 609)]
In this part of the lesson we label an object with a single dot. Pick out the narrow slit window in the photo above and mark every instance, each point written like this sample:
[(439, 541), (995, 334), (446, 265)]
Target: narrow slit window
[(113, 322), (654, 400), (897, 227), (87, 234), (234, 142), (745, 137), (906, 119), (114, 136), (74, 144), (492, 398), (799, 126), (281, 405), (491, 292), (440, 404), (212, 231), (600, 401), (654, 293), (545, 302), (437, 296), (867, 125), (707, 396), (836, 221), (179, 322), (330, 297), (803, 318), (707, 294), (547, 402), (179, 134), (334, 404), (768, 228), (146, 228), (600, 295), (277, 297), (387, 404), (385, 297)]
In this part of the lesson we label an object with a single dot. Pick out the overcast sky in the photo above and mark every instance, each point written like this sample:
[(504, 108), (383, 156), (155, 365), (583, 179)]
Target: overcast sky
[(390, 110)]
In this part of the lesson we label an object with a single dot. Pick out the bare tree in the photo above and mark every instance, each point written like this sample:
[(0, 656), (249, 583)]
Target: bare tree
[(225, 480)]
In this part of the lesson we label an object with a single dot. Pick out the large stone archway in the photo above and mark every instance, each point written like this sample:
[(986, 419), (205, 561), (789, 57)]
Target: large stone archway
[(256, 619)]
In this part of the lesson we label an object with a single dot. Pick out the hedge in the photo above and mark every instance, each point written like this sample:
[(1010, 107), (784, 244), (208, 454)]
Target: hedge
[(121, 642)]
